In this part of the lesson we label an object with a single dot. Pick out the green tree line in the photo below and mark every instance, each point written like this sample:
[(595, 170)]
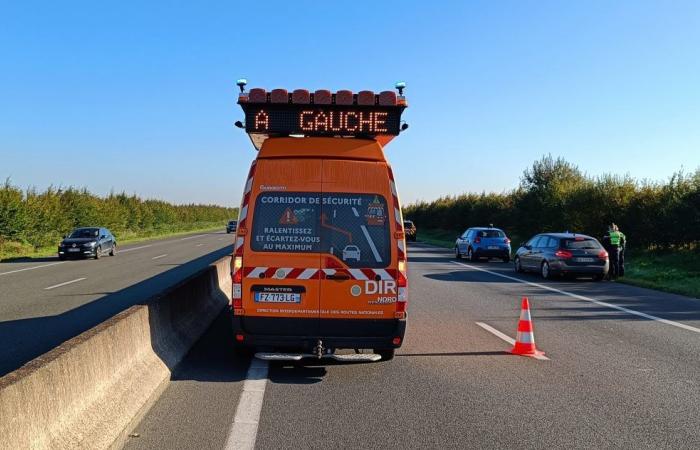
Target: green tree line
[(555, 195), (39, 219)]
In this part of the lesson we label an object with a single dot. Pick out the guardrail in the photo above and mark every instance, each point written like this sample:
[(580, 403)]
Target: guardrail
[(84, 393)]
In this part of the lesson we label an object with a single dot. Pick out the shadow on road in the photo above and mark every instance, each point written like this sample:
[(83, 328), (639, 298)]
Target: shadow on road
[(25, 339), (491, 353)]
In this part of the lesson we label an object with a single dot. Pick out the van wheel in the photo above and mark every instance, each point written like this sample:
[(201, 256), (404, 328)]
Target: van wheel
[(458, 255), (387, 355), (471, 256)]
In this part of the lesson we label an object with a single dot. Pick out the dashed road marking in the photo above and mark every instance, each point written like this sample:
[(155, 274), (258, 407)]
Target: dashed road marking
[(244, 429), (134, 248), (160, 256), (199, 245), (191, 237), (32, 268), (506, 338), (63, 284), (588, 299)]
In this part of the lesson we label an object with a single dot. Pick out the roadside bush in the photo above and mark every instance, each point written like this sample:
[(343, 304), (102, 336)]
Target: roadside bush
[(555, 195), (35, 219)]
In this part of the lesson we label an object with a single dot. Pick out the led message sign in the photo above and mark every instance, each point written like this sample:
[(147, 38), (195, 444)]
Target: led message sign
[(333, 120)]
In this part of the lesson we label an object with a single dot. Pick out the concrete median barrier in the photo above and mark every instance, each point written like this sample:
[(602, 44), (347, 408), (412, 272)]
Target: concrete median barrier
[(85, 392)]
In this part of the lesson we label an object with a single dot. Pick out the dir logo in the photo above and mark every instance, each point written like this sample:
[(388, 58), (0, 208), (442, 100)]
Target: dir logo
[(355, 290)]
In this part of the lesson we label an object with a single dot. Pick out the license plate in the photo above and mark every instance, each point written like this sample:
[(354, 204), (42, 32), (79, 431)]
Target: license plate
[(277, 297), (73, 249), (584, 259), (494, 247)]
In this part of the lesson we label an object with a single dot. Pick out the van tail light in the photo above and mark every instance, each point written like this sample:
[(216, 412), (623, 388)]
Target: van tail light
[(237, 278), (563, 254), (506, 241), (477, 240), (402, 284), (603, 254)]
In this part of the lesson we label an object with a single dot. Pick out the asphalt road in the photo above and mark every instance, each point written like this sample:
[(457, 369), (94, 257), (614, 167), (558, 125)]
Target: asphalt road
[(614, 378), (45, 302)]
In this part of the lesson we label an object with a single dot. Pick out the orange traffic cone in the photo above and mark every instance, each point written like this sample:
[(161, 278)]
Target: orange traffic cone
[(525, 339)]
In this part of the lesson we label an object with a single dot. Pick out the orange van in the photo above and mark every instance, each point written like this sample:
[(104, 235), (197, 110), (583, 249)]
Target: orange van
[(320, 256)]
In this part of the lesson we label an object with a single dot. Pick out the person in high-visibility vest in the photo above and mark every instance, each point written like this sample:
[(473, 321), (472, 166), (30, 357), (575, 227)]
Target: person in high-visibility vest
[(621, 253), (614, 243)]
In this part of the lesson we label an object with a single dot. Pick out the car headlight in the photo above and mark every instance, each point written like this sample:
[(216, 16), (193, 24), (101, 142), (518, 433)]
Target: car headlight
[(89, 244)]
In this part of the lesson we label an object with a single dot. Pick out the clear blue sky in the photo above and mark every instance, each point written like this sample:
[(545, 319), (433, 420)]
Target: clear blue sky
[(140, 96)]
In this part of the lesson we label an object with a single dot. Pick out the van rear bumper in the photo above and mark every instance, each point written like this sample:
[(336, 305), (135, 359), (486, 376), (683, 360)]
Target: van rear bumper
[(336, 333)]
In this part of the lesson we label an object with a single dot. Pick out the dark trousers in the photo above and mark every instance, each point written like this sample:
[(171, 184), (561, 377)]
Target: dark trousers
[(621, 262), (614, 258)]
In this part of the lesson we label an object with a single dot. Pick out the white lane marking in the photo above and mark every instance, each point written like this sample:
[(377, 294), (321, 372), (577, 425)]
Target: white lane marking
[(134, 248), (31, 268), (191, 237), (244, 429), (199, 245), (220, 239), (588, 299), (160, 256), (63, 284), (371, 244), (506, 338)]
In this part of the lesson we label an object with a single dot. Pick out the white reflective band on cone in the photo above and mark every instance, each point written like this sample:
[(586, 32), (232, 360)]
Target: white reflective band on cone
[(236, 291), (525, 315), (525, 338)]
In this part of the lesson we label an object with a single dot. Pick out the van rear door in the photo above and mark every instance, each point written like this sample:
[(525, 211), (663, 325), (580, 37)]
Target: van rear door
[(358, 289), (282, 260)]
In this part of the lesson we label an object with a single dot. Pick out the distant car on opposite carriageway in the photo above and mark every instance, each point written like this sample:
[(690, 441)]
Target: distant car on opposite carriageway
[(483, 242), (88, 242), (410, 230), (231, 226)]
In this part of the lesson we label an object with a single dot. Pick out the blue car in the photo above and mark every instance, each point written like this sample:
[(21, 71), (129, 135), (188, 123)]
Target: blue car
[(483, 242)]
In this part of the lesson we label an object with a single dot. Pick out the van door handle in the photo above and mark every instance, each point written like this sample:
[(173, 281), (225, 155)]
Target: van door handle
[(338, 276)]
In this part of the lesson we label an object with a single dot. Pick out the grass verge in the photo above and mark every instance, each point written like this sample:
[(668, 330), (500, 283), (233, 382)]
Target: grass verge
[(677, 272), (14, 250)]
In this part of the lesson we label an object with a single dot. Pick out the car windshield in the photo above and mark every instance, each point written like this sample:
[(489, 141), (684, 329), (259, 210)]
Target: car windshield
[(232, 222), (580, 243), (491, 234), (85, 233)]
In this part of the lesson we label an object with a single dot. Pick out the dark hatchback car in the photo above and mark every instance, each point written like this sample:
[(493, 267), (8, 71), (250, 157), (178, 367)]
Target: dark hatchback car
[(231, 226), (552, 254), (89, 242), (410, 229), (483, 242)]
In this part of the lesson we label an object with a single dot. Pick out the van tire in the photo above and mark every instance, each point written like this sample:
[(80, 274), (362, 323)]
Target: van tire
[(386, 354), (471, 256)]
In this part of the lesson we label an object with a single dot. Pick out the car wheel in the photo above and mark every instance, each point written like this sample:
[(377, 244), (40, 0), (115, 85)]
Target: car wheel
[(471, 256), (61, 257), (98, 252), (598, 277), (506, 259), (518, 266), (544, 270), (458, 255), (113, 251), (386, 354)]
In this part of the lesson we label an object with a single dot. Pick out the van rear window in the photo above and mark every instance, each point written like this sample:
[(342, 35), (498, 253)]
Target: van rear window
[(353, 227)]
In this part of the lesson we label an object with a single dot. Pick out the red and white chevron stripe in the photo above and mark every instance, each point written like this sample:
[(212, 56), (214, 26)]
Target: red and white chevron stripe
[(288, 273)]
